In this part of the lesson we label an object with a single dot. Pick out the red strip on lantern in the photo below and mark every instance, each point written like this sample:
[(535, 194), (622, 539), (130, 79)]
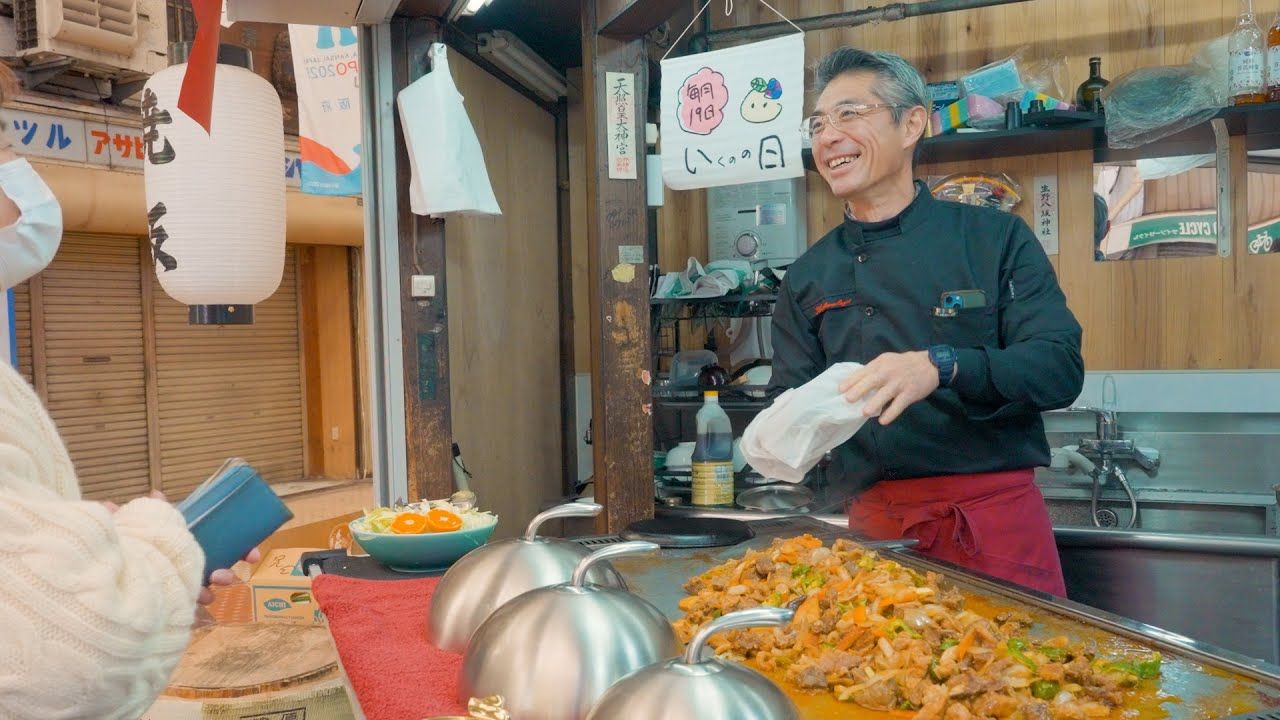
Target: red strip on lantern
[(196, 97)]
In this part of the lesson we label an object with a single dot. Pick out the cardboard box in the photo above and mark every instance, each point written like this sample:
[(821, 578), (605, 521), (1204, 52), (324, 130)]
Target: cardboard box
[(281, 593)]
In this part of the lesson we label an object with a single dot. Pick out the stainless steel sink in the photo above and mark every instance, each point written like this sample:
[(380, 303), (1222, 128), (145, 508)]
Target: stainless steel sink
[(1182, 515), (1222, 589)]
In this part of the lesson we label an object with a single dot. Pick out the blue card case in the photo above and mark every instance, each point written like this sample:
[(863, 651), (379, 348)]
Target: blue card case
[(231, 513)]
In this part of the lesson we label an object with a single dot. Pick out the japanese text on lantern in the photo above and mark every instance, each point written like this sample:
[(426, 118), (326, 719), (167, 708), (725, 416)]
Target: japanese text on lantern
[(621, 88), (152, 118), (156, 233)]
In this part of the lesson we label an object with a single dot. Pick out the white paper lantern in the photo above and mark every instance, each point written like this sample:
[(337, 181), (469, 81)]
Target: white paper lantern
[(216, 201)]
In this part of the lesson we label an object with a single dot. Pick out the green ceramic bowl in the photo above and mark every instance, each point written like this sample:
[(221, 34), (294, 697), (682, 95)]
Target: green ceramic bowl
[(428, 552)]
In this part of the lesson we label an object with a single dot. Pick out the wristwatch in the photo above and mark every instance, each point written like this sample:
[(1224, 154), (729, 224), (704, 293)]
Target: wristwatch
[(943, 357)]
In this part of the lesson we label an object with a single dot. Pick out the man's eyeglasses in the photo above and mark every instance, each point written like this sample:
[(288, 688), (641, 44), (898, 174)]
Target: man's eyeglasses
[(840, 117)]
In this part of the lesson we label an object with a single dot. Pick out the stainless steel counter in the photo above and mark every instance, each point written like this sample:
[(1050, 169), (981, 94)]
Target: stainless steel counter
[(660, 580)]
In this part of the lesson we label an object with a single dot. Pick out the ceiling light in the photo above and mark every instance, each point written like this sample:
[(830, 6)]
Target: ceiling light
[(460, 8), (516, 59)]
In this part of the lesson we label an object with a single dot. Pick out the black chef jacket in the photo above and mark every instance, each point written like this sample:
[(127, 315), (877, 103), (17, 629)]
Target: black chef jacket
[(871, 288)]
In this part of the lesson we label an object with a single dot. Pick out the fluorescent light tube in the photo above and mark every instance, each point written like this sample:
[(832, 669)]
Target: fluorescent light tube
[(516, 59)]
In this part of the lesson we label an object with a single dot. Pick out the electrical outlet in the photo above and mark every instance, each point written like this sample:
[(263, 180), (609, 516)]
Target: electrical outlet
[(422, 286)]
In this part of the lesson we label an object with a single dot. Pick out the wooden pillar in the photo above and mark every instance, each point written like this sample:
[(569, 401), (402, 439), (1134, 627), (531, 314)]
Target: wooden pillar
[(428, 427), (617, 228), (327, 335)]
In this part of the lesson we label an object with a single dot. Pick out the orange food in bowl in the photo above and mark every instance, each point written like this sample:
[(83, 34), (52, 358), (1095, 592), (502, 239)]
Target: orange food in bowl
[(441, 520), (411, 524)]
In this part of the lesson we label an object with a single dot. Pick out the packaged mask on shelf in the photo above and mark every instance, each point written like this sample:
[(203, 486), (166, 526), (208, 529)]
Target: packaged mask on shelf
[(996, 80)]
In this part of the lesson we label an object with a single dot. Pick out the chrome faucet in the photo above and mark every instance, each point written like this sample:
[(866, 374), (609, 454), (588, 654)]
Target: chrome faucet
[(1109, 449), (1107, 443)]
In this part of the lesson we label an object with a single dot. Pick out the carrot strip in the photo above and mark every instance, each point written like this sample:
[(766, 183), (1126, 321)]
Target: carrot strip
[(965, 643)]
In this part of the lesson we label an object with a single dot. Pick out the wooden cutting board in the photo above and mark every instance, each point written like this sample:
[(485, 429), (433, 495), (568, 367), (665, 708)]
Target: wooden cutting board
[(233, 661)]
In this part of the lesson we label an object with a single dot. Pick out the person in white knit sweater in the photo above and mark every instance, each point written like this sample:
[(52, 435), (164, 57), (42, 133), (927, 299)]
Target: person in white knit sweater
[(96, 602)]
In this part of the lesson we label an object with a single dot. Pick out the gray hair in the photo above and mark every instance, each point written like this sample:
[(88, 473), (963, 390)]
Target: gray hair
[(901, 85)]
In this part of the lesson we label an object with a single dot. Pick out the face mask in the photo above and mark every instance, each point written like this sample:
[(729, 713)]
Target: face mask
[(28, 245)]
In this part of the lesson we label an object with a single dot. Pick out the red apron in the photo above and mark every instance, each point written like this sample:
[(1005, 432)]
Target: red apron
[(994, 523)]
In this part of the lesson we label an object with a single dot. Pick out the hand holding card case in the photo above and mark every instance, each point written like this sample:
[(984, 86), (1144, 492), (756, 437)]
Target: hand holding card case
[(231, 513)]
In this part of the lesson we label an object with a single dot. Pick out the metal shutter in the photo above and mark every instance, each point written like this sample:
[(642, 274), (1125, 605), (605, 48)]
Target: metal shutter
[(230, 391), (94, 365)]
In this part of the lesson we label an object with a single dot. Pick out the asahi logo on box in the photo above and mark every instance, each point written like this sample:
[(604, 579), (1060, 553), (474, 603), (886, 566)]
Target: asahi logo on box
[(276, 604)]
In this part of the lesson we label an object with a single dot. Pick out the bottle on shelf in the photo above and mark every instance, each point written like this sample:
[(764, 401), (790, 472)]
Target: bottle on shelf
[(713, 455), (1273, 61), (1087, 95), (1245, 46)]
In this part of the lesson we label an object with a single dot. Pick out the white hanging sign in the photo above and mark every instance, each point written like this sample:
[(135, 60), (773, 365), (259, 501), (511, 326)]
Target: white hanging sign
[(733, 116), (620, 89), (326, 63)]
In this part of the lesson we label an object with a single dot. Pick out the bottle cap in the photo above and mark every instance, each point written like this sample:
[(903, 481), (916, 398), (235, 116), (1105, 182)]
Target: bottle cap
[(710, 393)]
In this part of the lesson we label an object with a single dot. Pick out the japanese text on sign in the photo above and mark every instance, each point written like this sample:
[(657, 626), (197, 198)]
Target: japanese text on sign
[(1045, 208), (620, 89), (733, 116), (105, 144)]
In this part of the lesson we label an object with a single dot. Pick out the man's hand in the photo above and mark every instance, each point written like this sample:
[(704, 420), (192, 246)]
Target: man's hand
[(892, 382)]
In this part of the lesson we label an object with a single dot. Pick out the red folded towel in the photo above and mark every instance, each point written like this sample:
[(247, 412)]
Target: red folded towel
[(380, 630)]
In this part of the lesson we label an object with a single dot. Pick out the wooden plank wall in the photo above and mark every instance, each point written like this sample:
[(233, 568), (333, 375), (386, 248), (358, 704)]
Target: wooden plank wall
[(504, 354), (1187, 313), (329, 353)]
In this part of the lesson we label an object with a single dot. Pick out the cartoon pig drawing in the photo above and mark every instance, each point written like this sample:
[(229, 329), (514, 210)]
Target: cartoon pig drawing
[(763, 103)]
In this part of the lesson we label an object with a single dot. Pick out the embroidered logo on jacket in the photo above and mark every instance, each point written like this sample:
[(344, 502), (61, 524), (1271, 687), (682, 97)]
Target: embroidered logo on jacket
[(831, 305)]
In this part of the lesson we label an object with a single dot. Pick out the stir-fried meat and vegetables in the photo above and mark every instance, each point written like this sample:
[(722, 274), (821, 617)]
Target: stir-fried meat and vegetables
[(887, 637)]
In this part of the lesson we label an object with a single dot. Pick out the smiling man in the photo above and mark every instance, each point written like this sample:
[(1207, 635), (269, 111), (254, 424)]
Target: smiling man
[(957, 317)]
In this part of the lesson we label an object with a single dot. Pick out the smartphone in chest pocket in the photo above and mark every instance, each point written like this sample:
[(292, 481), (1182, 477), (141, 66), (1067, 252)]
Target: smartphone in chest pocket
[(962, 299), (962, 318)]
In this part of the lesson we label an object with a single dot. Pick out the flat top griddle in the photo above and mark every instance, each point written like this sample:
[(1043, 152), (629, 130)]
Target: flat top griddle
[(1203, 676)]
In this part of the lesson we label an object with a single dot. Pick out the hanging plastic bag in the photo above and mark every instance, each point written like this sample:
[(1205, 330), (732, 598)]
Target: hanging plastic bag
[(448, 171), (788, 438)]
